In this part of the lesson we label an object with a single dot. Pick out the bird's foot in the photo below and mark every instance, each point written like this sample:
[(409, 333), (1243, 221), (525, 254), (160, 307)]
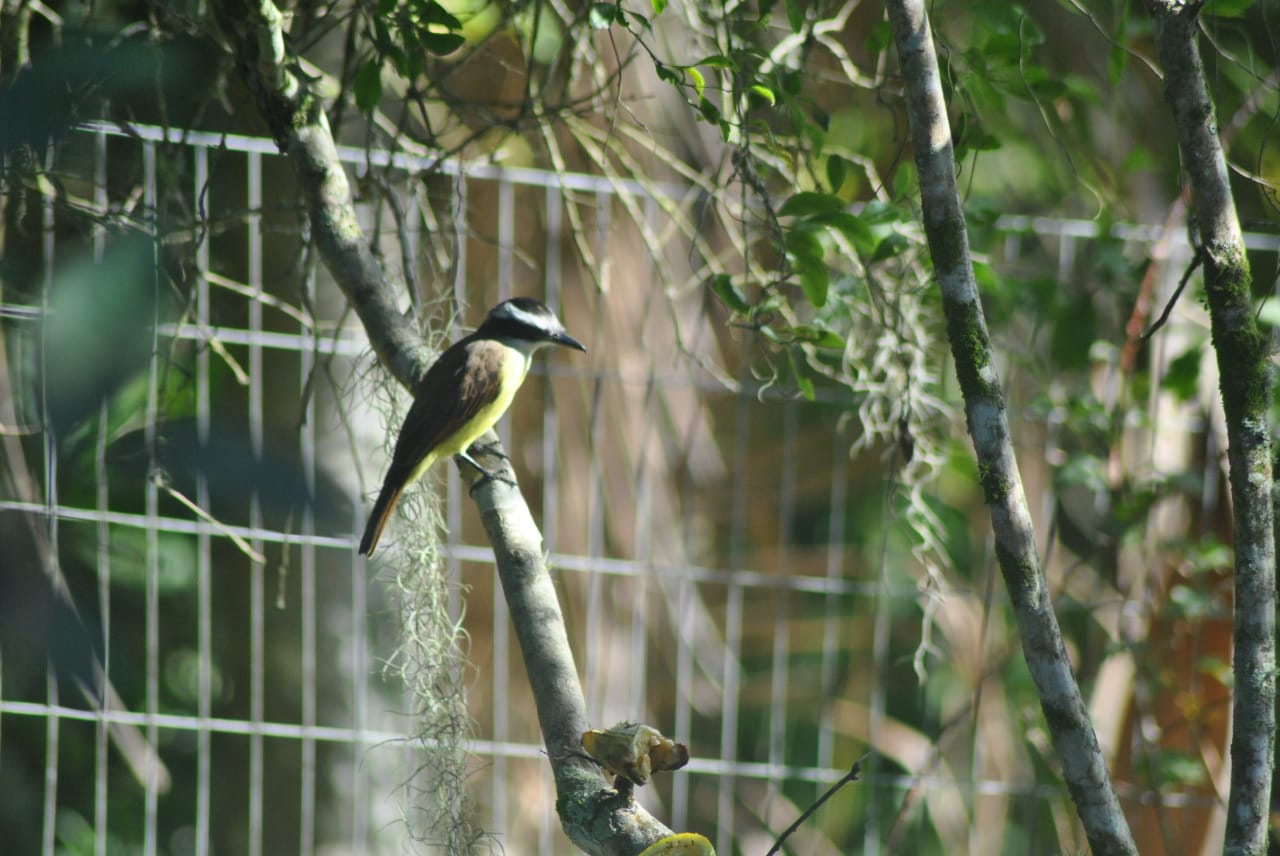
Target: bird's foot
[(485, 475), (494, 449)]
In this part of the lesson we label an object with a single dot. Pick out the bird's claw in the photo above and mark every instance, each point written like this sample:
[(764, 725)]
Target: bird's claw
[(485, 475), (494, 449)]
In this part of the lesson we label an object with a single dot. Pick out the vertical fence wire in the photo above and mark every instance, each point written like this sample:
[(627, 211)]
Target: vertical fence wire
[(831, 612), (552, 274), (52, 734), (780, 672), (150, 200), (359, 691), (257, 578), (501, 626), (101, 760), (50, 475), (306, 366), (204, 540)]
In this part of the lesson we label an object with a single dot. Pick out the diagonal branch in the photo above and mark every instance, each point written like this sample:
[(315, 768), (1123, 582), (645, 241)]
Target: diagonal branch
[(1245, 379), (1083, 765), (596, 817)]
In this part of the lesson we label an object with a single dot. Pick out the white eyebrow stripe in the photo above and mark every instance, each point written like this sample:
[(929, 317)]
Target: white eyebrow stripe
[(515, 313)]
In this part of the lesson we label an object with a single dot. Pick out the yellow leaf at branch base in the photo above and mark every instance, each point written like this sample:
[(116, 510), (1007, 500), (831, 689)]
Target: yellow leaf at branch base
[(681, 844)]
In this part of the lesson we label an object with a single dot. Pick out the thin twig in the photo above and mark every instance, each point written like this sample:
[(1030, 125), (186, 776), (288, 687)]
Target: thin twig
[(851, 776), (1168, 308), (242, 544)]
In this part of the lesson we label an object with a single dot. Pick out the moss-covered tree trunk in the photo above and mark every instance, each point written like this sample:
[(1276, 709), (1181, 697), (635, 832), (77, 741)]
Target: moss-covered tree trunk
[(1083, 765), (1244, 368)]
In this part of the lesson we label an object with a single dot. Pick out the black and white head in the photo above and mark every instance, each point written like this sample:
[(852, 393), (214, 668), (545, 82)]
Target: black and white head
[(527, 324)]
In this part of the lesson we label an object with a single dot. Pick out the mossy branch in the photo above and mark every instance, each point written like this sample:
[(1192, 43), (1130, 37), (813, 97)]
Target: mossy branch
[(1245, 378), (1083, 765)]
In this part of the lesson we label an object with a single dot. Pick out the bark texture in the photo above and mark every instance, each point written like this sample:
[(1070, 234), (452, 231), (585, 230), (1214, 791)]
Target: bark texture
[(1244, 369), (1083, 765)]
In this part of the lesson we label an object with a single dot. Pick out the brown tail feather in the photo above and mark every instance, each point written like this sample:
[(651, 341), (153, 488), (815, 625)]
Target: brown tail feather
[(382, 509)]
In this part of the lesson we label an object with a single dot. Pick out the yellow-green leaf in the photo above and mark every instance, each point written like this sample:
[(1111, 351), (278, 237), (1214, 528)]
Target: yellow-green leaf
[(764, 92), (699, 82)]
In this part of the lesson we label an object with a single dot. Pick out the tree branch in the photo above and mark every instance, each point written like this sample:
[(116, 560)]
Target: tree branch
[(1083, 765), (298, 123), (1245, 379), (595, 816)]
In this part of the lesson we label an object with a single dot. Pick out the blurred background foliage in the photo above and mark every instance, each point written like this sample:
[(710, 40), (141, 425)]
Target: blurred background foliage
[(768, 391)]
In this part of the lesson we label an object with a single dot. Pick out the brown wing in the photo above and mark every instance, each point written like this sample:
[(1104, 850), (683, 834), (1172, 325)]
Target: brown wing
[(450, 394), (455, 388)]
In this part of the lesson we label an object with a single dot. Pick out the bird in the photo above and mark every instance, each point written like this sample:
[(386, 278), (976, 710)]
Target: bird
[(462, 395)]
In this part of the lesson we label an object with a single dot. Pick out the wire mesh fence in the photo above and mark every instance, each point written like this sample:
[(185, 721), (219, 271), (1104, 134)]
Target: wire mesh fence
[(729, 572)]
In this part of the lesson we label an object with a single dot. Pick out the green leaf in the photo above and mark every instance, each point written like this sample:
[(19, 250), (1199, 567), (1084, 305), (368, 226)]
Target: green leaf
[(851, 226), (805, 384), (709, 111), (1182, 376), (819, 337), (803, 245), (729, 293), (637, 18), (1139, 159), (815, 280), (808, 203), (835, 172), (804, 252), (1081, 470), (602, 15), (1188, 602), (1117, 59), (891, 245), (1178, 768), (1216, 668), (431, 12), (904, 180), (764, 92), (399, 60), (381, 36), (878, 213), (658, 6), (385, 7), (1207, 556), (368, 85), (416, 62), (1229, 8), (879, 39), (699, 82), (442, 43), (795, 15), (717, 61)]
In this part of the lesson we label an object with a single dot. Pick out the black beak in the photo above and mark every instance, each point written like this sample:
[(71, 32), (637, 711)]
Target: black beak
[(563, 338)]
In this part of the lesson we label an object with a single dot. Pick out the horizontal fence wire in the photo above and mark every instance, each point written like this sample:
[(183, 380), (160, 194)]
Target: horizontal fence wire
[(642, 622)]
